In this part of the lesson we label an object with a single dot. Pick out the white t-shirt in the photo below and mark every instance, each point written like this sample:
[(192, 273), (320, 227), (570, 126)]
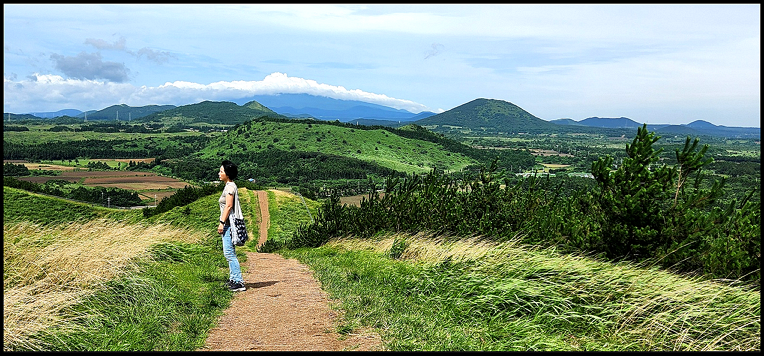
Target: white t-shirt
[(230, 188)]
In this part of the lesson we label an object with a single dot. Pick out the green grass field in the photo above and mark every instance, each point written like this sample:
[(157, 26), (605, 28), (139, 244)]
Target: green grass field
[(477, 296), (107, 279)]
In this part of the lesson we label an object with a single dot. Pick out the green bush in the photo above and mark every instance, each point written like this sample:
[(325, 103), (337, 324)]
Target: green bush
[(10, 169), (182, 197)]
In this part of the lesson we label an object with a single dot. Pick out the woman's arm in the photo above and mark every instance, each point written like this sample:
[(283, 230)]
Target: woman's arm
[(228, 206)]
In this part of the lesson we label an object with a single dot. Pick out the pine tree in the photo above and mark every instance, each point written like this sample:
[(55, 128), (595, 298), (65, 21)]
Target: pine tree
[(652, 212)]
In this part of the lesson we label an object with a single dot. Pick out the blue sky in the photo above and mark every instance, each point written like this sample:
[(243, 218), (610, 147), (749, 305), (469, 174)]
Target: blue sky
[(659, 64)]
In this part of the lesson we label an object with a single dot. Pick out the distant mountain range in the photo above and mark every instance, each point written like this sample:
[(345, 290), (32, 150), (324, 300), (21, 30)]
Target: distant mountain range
[(695, 128), (324, 108), (109, 113), (54, 114), (499, 116), (481, 115), (289, 105), (128, 112), (212, 112)]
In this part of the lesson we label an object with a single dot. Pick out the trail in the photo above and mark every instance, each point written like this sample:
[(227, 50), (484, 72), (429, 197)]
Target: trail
[(265, 216), (283, 308)]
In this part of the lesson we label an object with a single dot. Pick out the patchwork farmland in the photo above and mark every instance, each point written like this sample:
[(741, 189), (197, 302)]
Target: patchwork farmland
[(148, 185)]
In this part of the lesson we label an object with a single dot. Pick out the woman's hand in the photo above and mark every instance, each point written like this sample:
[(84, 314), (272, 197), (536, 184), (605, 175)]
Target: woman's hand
[(220, 228)]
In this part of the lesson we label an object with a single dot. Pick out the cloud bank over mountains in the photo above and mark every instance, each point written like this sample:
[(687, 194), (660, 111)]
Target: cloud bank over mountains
[(53, 92)]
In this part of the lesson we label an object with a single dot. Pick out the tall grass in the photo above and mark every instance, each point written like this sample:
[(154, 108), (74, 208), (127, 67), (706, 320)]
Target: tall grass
[(48, 268), (437, 293)]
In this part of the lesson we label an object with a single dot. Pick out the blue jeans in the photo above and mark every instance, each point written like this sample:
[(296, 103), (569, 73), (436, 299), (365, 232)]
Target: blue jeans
[(229, 251)]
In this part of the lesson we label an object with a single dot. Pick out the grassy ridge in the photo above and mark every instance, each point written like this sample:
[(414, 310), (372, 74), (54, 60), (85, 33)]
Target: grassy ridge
[(287, 212), (474, 295), (110, 280), (20, 205)]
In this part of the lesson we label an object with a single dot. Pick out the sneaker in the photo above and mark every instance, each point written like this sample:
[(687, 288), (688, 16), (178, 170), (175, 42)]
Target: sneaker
[(236, 286)]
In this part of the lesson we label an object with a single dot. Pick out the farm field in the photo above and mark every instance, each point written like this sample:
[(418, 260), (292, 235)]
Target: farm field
[(355, 200), (148, 185), (540, 152), (548, 166), (42, 166)]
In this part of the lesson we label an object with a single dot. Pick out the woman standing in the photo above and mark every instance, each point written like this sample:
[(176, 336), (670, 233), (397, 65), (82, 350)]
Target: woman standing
[(228, 172)]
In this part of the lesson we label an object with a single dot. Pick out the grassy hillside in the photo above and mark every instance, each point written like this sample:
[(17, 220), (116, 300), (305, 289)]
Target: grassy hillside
[(379, 145), (105, 279), (287, 212), (20, 205), (121, 282)]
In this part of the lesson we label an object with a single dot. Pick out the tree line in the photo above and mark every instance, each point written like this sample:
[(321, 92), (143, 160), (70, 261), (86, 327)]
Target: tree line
[(283, 167), (175, 147), (98, 195), (15, 128), (663, 216)]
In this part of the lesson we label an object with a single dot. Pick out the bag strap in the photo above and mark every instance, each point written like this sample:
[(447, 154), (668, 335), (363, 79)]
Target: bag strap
[(237, 205)]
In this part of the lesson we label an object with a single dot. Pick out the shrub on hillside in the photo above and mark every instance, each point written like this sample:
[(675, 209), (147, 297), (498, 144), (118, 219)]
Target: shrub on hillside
[(182, 197)]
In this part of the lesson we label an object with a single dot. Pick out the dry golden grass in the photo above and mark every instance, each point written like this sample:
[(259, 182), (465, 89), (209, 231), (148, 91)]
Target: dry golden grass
[(47, 167), (47, 269), (554, 165), (281, 193), (425, 248), (356, 199), (656, 309)]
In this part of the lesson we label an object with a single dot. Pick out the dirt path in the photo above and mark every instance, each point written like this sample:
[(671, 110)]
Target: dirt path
[(265, 216), (283, 309)]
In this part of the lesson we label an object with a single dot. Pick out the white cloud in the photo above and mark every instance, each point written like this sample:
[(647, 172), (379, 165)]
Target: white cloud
[(553, 60), (98, 43), (90, 66), (52, 92), (275, 83), (40, 93)]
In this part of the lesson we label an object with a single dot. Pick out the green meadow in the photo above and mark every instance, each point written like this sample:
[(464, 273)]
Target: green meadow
[(380, 146)]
